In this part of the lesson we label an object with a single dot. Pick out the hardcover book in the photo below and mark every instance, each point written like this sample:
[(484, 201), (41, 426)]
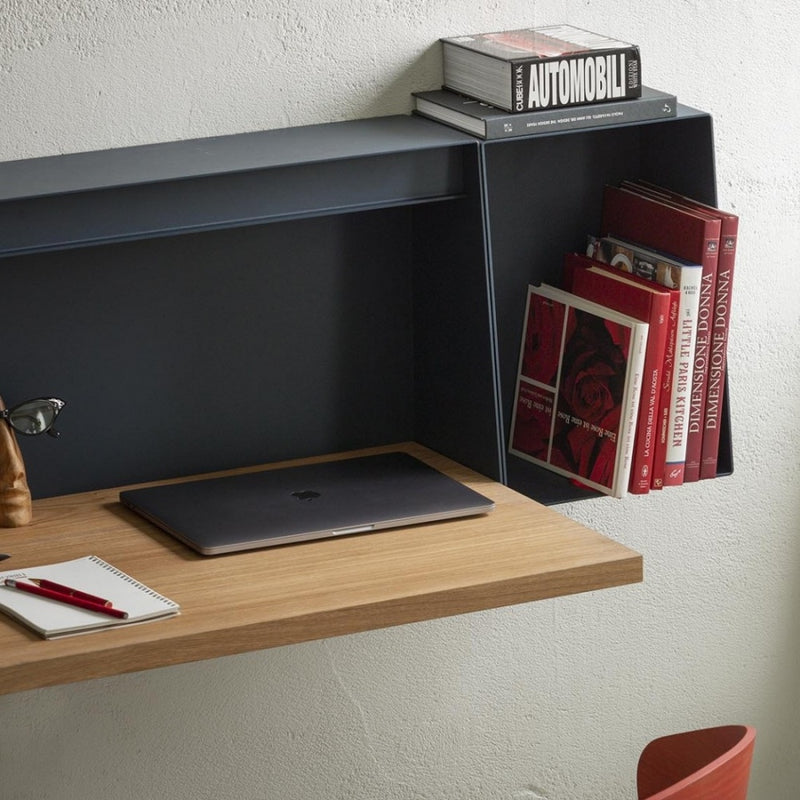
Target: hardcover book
[(718, 355), (488, 122), (668, 227), (650, 303), (683, 276), (708, 287), (578, 387), (532, 69)]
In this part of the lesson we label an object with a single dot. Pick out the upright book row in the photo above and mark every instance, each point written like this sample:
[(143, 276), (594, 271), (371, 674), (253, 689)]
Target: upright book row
[(622, 369)]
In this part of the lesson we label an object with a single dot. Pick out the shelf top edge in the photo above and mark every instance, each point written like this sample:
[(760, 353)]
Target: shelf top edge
[(219, 155)]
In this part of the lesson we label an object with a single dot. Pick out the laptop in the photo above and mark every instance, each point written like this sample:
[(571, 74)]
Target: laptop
[(304, 502)]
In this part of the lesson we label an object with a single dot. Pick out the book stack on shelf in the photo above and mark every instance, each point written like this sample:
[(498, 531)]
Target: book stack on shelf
[(622, 371), (515, 83)]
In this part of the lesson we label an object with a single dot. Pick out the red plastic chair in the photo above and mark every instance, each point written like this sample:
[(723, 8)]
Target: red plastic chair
[(709, 764)]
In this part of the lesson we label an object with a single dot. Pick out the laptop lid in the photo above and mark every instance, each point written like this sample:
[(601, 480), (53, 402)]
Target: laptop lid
[(305, 502)]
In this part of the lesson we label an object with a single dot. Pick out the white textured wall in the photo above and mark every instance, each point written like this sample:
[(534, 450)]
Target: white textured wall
[(551, 700)]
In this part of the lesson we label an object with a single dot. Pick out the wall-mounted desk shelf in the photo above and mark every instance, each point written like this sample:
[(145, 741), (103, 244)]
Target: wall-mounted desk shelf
[(521, 551), (221, 302), (213, 304)]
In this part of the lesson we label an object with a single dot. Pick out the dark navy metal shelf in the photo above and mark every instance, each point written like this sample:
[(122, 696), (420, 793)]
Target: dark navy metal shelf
[(237, 300), (79, 199)]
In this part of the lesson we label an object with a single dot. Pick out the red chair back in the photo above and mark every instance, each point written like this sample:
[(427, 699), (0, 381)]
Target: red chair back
[(709, 764)]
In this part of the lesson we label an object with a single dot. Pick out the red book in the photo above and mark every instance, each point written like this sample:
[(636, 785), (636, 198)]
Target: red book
[(648, 302), (689, 234), (670, 365), (708, 288), (578, 389), (718, 358), (682, 279)]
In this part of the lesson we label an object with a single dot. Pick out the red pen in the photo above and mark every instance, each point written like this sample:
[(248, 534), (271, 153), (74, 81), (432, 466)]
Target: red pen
[(61, 589), (66, 598)]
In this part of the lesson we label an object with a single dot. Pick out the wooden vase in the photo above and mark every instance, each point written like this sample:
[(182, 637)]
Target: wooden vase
[(15, 496)]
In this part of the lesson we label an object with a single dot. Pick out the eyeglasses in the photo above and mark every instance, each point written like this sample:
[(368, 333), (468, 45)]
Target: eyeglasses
[(34, 416)]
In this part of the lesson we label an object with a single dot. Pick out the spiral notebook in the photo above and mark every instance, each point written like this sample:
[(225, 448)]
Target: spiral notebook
[(90, 574)]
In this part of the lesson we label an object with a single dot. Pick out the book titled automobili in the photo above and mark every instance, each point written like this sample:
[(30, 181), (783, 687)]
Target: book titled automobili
[(540, 68)]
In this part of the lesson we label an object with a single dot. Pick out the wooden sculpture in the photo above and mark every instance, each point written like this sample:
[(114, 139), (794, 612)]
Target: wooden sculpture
[(15, 496)]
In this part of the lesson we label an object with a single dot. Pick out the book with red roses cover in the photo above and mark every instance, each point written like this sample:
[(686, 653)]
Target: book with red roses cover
[(685, 276), (638, 213), (578, 387), (648, 302), (718, 357)]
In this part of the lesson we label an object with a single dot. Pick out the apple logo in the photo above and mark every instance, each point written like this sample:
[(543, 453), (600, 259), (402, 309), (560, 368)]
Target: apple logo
[(306, 494)]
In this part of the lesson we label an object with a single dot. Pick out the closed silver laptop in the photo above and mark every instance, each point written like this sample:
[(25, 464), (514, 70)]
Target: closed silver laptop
[(305, 502)]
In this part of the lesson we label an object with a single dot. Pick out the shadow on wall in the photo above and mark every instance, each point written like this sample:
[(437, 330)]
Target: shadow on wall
[(779, 752)]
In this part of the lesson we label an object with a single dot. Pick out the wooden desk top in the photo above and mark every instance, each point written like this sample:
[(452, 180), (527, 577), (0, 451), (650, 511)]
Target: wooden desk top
[(235, 603)]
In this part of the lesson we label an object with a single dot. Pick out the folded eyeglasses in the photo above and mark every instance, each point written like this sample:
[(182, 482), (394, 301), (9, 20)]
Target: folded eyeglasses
[(33, 417)]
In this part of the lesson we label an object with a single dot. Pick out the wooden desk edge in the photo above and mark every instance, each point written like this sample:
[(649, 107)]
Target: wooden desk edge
[(215, 644)]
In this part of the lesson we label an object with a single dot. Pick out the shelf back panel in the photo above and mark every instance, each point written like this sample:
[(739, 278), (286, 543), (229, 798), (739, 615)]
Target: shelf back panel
[(215, 350)]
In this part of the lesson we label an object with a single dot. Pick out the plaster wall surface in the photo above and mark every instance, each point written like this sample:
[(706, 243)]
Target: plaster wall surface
[(552, 700)]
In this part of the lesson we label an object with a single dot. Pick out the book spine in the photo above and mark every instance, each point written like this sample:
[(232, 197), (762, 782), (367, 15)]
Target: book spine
[(682, 378), (665, 399), (504, 125), (647, 429), (629, 424), (697, 402), (562, 82), (575, 118), (719, 348)]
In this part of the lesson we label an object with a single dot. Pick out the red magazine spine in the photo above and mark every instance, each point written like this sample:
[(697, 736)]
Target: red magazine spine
[(717, 356), (718, 360), (697, 405), (667, 372)]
